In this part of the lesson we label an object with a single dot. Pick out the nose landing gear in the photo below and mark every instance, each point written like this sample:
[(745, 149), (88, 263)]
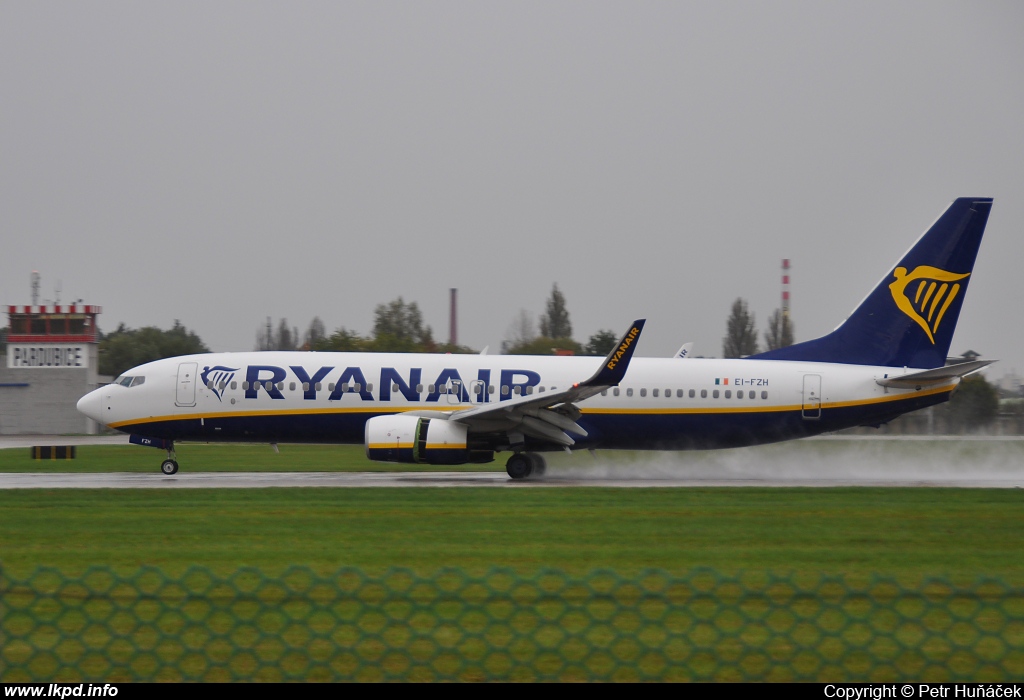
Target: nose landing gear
[(169, 466)]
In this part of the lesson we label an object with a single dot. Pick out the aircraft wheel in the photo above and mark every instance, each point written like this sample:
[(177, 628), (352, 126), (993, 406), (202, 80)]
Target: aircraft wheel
[(539, 465), (169, 467), (519, 466)]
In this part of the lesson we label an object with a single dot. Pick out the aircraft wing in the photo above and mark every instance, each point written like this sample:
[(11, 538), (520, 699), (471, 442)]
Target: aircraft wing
[(552, 416)]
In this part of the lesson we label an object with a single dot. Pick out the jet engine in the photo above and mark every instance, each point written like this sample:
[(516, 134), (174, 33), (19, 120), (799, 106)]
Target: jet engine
[(418, 440)]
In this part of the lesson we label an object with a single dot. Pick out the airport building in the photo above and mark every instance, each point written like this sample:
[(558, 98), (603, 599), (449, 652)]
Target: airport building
[(52, 360)]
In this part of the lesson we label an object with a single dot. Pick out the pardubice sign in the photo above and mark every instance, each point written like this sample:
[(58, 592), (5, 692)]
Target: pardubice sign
[(40, 355)]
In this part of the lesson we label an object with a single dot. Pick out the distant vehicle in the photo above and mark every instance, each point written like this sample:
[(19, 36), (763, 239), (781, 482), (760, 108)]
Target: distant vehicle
[(886, 359)]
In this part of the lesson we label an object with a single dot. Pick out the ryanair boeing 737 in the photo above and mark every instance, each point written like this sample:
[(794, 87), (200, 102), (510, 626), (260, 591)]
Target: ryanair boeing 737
[(886, 359)]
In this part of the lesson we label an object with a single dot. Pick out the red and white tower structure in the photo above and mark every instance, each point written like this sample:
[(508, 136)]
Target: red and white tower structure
[(785, 287)]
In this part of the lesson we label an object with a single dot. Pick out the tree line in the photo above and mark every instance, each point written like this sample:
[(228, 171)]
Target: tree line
[(741, 335), (397, 327), (555, 336)]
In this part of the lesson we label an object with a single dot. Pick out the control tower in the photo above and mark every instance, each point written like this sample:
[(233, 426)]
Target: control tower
[(52, 360)]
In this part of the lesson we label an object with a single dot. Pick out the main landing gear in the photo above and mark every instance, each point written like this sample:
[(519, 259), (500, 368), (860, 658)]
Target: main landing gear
[(523, 465), (169, 466)]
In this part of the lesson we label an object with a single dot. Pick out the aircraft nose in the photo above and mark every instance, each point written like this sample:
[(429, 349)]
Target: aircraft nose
[(92, 405)]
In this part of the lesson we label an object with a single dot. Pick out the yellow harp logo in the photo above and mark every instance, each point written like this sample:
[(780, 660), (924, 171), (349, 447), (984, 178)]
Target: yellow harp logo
[(932, 295)]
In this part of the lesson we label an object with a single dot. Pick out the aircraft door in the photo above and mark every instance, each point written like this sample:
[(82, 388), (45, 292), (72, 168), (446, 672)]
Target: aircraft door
[(185, 394), (477, 391), (454, 389), (812, 397)]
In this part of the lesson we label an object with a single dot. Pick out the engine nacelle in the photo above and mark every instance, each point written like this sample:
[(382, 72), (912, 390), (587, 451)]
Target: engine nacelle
[(416, 440)]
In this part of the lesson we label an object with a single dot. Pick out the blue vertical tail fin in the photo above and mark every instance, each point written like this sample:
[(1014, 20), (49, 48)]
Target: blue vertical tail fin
[(909, 318)]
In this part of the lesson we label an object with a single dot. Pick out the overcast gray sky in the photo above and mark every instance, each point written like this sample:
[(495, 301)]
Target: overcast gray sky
[(219, 162)]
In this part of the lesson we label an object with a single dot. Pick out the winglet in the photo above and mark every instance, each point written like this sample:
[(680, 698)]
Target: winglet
[(614, 367)]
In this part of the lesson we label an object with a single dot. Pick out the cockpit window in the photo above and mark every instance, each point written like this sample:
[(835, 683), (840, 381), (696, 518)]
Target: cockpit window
[(125, 380)]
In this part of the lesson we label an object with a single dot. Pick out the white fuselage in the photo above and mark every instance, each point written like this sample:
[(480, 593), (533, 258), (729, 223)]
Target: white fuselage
[(660, 404)]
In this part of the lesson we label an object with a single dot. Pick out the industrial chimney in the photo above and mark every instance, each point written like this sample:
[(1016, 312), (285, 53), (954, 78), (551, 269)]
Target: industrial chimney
[(453, 321)]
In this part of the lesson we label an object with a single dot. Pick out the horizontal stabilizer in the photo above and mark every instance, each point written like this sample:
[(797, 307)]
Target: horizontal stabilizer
[(939, 375)]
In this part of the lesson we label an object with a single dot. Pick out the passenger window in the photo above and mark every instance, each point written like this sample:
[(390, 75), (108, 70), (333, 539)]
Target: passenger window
[(653, 393), (291, 386), (643, 392), (490, 389), (728, 393), (739, 394), (369, 387), (504, 389), (234, 385), (305, 386), (703, 393), (529, 390), (714, 394), (394, 387), (357, 387), (692, 393), (668, 393), (764, 394), (615, 391), (541, 389), (517, 390), (604, 392), (209, 384), (419, 388), (245, 386), (330, 387), (430, 388), (223, 385), (280, 385), (268, 385), (629, 391)]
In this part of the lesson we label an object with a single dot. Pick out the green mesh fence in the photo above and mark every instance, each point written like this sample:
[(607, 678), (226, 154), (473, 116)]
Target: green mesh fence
[(300, 625)]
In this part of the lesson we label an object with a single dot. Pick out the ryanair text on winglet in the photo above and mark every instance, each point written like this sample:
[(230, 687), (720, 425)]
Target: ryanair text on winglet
[(630, 337)]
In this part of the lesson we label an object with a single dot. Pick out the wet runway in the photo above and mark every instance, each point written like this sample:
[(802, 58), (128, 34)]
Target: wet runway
[(209, 480), (897, 462)]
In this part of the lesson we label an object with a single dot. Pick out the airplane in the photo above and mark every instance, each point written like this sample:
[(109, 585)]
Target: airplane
[(886, 359), (684, 351)]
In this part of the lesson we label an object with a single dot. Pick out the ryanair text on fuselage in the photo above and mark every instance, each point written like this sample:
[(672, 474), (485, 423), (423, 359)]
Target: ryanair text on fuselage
[(352, 380)]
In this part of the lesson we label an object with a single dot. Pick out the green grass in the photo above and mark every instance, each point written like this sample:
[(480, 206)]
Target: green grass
[(908, 533)]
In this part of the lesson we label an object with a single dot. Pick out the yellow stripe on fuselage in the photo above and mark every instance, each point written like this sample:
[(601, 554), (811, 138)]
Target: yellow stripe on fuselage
[(765, 409), (591, 411)]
